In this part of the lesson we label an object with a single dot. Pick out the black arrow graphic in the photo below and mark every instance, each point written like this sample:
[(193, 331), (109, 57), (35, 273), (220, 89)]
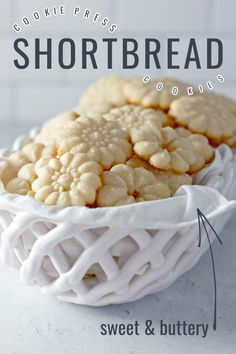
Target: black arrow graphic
[(202, 218)]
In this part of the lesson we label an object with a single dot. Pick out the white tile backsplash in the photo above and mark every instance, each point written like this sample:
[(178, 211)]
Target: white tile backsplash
[(6, 110), (224, 16), (38, 104), (229, 58), (162, 15), (31, 96), (5, 15)]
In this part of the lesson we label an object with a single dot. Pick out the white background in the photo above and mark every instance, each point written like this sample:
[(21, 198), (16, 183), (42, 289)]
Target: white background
[(28, 97)]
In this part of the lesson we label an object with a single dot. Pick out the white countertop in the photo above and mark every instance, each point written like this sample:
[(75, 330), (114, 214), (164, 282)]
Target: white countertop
[(32, 323)]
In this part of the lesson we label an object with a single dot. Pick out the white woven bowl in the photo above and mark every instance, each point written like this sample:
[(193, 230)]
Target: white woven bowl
[(113, 255)]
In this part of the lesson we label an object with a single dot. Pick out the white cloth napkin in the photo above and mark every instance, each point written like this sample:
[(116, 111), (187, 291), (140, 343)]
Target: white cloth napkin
[(216, 183)]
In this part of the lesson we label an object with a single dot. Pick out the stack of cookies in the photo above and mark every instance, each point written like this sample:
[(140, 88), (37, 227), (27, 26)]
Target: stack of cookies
[(128, 143)]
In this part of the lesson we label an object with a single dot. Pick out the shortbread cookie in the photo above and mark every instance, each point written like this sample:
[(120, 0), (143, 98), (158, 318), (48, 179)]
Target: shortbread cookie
[(65, 181), (114, 191), (138, 121), (205, 116), (170, 151), (136, 161), (34, 151), (18, 186), (222, 99), (125, 185), (10, 165), (20, 164), (8, 170), (130, 116), (172, 179), (231, 141), (183, 132), (57, 128), (102, 96), (148, 95), (104, 141)]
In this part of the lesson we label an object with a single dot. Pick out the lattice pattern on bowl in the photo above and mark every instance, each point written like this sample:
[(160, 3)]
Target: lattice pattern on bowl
[(98, 264)]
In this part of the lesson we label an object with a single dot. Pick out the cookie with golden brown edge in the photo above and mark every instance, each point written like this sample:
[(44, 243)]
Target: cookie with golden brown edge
[(57, 128), (172, 179), (168, 150), (102, 95), (12, 164), (137, 117), (227, 102), (65, 180), (71, 179), (104, 141), (147, 94), (126, 185), (204, 116)]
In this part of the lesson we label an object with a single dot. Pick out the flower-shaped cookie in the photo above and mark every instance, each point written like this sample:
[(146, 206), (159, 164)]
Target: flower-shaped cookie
[(148, 95), (62, 126), (102, 96), (65, 181), (34, 151), (8, 170), (135, 117), (104, 141), (18, 185), (222, 99), (172, 179), (168, 150), (125, 185), (205, 116), (11, 165)]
